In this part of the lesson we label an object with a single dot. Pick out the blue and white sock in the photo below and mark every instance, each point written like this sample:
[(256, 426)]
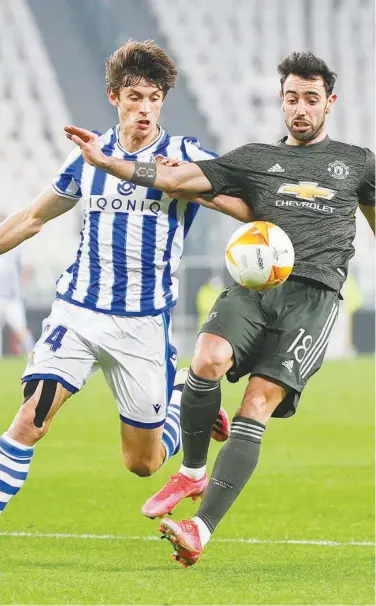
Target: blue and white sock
[(15, 459), (171, 436)]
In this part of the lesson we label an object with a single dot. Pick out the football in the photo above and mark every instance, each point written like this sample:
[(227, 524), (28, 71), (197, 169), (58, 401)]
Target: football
[(259, 255)]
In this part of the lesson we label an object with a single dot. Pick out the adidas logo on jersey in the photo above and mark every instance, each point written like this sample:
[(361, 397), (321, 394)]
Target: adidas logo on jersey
[(277, 168), (289, 364)]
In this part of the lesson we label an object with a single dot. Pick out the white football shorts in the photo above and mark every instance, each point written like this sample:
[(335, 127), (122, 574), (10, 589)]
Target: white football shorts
[(12, 312), (134, 353)]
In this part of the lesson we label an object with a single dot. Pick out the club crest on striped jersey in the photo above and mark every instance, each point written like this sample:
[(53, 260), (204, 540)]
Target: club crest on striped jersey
[(125, 188)]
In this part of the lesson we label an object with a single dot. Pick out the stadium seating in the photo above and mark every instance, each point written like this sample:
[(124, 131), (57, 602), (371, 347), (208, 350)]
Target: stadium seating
[(229, 56)]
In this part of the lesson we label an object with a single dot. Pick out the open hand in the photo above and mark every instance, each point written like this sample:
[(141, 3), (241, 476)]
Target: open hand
[(89, 144)]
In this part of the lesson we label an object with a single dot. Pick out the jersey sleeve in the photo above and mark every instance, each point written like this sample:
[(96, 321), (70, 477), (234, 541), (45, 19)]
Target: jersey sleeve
[(192, 150), (67, 181), (366, 189), (227, 173)]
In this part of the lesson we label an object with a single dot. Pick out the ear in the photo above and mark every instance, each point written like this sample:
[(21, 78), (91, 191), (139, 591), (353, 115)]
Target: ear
[(281, 98), (332, 99), (112, 97)]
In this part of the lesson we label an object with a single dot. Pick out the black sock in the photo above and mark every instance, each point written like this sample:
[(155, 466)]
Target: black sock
[(200, 403), (234, 466)]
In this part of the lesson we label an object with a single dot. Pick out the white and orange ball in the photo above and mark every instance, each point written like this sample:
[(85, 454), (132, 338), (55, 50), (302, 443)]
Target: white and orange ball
[(259, 255)]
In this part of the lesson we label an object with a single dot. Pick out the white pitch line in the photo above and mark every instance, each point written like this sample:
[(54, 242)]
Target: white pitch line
[(114, 537)]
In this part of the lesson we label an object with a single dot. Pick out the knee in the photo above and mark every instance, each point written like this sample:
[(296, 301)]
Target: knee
[(143, 468), (23, 428), (212, 358)]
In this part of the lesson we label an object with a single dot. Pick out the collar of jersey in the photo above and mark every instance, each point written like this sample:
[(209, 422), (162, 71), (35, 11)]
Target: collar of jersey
[(157, 140), (303, 149)]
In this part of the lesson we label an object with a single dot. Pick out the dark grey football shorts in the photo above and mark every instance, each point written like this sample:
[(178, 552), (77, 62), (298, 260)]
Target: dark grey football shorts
[(281, 334)]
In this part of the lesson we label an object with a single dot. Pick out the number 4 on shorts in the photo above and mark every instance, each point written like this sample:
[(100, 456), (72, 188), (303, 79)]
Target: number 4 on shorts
[(56, 337)]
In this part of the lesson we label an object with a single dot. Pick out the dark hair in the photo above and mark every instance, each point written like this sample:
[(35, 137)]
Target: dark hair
[(306, 65), (140, 60)]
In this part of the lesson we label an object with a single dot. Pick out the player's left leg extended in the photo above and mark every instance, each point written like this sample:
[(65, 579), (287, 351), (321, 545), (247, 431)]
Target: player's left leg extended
[(60, 364)]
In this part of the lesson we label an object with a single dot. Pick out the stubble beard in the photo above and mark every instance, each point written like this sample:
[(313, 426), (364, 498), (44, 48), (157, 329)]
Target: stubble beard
[(307, 136)]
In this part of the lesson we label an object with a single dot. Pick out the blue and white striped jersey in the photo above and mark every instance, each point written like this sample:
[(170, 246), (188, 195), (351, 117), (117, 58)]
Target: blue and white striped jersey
[(132, 237)]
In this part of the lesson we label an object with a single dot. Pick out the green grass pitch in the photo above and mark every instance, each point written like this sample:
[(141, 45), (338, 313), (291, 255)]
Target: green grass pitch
[(315, 482)]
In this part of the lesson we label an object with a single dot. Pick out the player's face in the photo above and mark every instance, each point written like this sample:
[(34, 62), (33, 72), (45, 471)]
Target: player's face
[(305, 104), (139, 107)]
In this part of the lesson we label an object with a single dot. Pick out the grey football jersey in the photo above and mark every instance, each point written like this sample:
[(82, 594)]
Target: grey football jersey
[(312, 193)]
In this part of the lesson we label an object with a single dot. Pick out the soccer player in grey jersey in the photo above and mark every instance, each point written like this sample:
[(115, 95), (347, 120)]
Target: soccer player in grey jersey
[(310, 186)]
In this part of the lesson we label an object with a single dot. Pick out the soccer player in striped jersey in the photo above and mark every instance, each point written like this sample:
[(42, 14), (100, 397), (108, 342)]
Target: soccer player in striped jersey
[(113, 304)]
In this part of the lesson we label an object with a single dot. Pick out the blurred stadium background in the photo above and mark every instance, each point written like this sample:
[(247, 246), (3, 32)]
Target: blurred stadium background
[(52, 58)]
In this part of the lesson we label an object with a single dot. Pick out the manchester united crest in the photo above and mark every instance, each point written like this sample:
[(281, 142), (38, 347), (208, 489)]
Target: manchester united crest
[(338, 169)]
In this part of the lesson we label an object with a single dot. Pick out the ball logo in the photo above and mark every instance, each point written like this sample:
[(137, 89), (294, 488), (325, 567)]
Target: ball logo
[(338, 169), (125, 188), (259, 259)]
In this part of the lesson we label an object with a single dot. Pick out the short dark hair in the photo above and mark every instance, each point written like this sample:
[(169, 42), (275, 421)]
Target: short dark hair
[(306, 65), (140, 60)]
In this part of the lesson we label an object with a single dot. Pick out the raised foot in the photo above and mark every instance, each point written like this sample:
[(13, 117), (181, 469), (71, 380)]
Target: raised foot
[(178, 487)]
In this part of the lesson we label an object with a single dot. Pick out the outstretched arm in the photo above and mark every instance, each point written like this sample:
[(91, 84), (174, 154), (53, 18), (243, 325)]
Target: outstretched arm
[(187, 177), (227, 205), (30, 220)]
